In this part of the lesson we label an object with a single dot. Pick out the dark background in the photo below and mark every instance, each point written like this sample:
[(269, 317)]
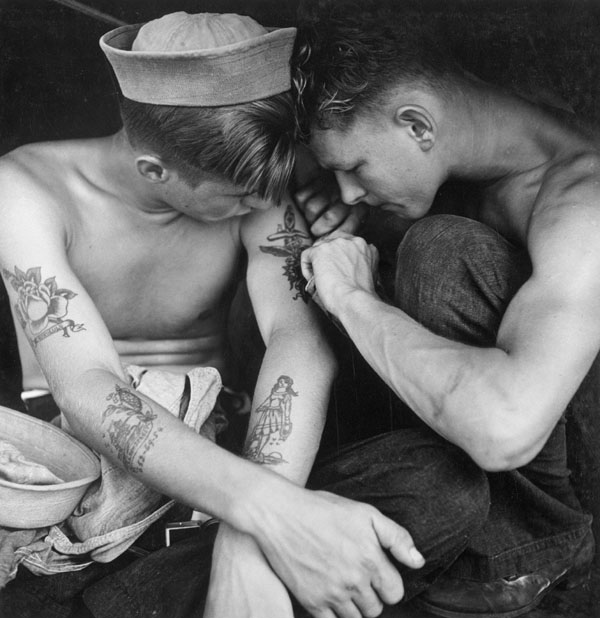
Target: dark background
[(55, 82)]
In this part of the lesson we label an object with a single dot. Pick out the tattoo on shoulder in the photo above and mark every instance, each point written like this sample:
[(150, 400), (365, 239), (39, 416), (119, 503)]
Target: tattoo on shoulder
[(131, 431), (294, 242), (273, 426), (42, 306)]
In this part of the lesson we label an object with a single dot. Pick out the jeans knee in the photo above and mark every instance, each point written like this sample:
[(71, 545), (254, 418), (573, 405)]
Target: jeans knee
[(466, 490), (442, 242), (456, 276)]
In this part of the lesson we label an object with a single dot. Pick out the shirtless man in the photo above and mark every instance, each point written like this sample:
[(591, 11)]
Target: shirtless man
[(124, 250), (495, 316)]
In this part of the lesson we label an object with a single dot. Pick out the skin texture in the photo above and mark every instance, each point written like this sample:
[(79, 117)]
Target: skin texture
[(539, 179), (109, 258)]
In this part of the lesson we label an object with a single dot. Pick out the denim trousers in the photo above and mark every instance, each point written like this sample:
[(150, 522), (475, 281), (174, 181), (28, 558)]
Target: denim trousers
[(456, 276)]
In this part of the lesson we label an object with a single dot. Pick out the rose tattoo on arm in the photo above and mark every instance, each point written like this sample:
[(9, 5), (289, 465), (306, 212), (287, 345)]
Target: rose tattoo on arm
[(42, 306)]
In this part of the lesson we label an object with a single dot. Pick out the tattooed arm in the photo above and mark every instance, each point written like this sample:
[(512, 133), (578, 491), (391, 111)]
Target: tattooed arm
[(75, 351), (293, 387), (329, 551), (290, 397)]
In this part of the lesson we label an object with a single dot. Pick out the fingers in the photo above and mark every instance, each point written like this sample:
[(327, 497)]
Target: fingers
[(388, 584), (369, 604), (355, 219), (306, 264), (332, 216), (398, 541), (323, 613), (347, 610), (316, 197)]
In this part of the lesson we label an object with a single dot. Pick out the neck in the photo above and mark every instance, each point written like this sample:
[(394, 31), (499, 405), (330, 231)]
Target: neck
[(494, 134), (116, 174)]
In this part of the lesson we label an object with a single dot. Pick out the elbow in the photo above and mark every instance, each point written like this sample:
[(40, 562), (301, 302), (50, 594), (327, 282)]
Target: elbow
[(501, 428), (504, 446)]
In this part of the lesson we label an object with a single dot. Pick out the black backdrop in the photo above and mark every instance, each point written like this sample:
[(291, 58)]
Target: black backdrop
[(55, 82)]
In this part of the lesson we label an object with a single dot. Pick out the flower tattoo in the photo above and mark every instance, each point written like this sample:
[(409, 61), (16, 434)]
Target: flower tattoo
[(41, 306)]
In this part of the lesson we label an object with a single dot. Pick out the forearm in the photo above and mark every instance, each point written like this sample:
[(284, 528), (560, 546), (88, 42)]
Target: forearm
[(290, 403), (463, 392), (150, 443)]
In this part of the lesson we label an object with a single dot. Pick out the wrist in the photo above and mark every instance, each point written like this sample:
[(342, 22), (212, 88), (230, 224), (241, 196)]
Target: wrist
[(356, 303), (262, 503)]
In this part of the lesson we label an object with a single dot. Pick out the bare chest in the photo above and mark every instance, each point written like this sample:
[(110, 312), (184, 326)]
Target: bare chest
[(157, 282)]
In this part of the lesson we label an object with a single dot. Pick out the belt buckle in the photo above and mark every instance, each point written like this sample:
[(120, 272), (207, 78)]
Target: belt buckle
[(179, 530)]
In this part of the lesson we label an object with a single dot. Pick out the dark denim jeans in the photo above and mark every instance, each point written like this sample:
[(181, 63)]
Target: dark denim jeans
[(456, 277)]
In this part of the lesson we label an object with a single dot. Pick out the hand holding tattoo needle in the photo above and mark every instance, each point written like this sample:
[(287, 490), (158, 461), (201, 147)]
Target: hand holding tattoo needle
[(337, 265)]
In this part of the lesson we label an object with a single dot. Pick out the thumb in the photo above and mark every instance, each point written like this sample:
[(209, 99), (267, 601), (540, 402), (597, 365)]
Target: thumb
[(397, 541), (306, 263)]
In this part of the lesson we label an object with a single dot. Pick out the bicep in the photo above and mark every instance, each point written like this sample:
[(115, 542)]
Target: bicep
[(52, 307), (274, 241), (551, 329)]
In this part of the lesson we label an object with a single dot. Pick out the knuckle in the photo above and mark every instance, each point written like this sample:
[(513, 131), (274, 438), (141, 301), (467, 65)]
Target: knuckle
[(332, 214), (313, 206), (373, 610)]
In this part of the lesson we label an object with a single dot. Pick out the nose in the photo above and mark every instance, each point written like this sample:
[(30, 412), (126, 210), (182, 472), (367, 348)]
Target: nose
[(350, 189)]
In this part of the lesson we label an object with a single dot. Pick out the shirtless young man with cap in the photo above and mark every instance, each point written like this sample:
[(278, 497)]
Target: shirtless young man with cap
[(495, 315), (124, 250)]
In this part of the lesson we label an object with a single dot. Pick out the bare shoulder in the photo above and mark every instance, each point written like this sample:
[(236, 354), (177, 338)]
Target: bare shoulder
[(279, 221), (34, 181), (28, 171), (573, 180), (564, 229)]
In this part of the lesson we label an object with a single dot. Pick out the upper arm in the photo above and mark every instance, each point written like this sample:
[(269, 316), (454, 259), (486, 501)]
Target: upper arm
[(551, 329), (52, 306), (274, 240)]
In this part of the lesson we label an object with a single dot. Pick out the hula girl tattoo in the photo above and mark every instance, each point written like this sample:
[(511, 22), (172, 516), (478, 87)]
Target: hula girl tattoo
[(274, 424), (42, 306)]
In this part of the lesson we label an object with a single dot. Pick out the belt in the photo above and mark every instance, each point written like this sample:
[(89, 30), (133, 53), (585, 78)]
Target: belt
[(174, 532)]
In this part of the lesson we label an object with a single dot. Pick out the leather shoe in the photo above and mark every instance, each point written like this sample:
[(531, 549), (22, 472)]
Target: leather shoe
[(452, 597)]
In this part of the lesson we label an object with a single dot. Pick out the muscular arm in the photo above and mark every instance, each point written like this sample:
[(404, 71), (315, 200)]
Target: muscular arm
[(499, 404)]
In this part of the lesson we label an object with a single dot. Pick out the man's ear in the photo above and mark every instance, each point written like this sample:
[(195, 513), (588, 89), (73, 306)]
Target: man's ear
[(419, 123), (152, 168)]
